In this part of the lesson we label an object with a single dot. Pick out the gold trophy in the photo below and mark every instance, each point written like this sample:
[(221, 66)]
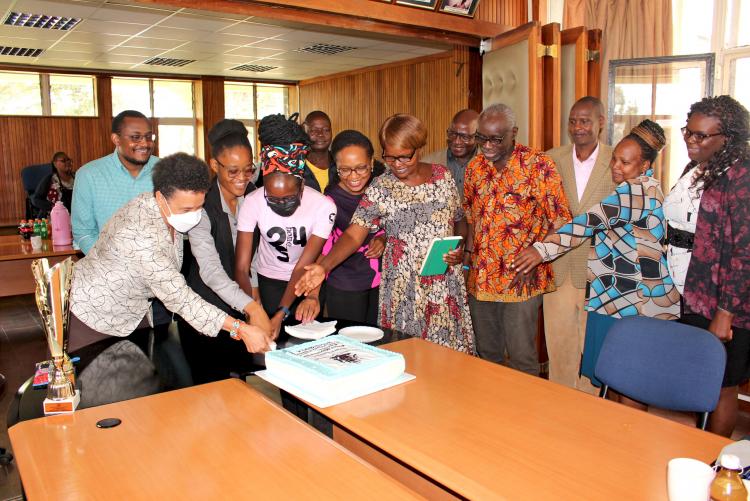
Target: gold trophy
[(53, 301)]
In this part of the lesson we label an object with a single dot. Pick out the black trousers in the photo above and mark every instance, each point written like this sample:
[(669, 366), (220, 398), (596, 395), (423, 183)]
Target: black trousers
[(356, 306)]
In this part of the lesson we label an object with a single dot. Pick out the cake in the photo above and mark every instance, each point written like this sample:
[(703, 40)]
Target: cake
[(335, 367)]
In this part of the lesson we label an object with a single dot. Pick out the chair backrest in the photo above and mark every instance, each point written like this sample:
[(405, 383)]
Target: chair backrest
[(32, 175), (663, 363)]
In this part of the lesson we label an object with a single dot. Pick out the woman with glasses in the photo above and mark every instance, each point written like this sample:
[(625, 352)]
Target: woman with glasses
[(57, 186), (414, 203), (352, 287), (627, 270), (209, 269), (294, 221), (709, 239)]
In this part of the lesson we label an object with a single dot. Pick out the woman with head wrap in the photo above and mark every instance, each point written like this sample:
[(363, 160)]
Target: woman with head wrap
[(294, 221), (709, 238), (624, 280)]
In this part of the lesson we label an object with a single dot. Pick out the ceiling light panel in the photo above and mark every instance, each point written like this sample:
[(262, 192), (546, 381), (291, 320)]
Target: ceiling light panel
[(42, 21)]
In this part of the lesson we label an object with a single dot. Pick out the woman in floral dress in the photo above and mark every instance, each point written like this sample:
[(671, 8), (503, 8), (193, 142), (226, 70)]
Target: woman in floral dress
[(414, 203)]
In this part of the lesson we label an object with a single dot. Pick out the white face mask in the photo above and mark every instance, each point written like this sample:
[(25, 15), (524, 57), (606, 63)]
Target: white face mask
[(183, 222)]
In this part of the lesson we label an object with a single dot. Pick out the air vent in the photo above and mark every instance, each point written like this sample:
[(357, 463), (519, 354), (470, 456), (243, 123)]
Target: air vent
[(19, 51), (255, 68), (165, 61), (41, 21), (324, 48)]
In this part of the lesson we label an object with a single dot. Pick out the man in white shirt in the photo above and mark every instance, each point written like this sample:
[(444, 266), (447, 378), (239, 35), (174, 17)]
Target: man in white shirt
[(584, 168)]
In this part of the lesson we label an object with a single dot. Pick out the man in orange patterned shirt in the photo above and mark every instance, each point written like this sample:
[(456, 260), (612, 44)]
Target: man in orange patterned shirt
[(513, 197)]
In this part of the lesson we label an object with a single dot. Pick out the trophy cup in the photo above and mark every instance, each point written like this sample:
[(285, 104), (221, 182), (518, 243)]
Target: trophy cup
[(53, 301)]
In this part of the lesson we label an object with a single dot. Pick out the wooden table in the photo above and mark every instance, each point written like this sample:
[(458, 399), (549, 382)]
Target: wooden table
[(465, 427), (16, 255), (220, 440)]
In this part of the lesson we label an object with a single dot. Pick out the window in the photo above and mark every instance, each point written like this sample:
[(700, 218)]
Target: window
[(718, 26), (72, 95), (171, 102), (249, 103), (23, 93)]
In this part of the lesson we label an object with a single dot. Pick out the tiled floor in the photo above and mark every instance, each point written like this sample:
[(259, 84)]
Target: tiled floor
[(22, 344)]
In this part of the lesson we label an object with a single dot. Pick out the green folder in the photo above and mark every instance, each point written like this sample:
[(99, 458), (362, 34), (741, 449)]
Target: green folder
[(433, 264)]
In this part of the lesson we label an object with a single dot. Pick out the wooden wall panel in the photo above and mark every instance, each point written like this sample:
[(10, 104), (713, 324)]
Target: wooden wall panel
[(509, 12), (433, 89), (210, 108)]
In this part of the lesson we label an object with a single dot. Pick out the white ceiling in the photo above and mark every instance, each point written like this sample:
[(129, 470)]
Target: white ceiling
[(121, 35)]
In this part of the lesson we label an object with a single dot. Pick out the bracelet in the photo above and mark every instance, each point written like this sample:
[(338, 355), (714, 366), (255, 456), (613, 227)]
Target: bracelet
[(234, 331), (466, 267), (286, 311)]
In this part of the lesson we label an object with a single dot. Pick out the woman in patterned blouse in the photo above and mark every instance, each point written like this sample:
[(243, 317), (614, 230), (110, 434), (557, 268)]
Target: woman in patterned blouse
[(414, 203), (717, 279), (627, 271)]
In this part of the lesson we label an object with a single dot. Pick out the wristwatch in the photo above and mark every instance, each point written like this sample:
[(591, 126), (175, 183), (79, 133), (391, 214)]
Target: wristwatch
[(286, 311), (234, 331)]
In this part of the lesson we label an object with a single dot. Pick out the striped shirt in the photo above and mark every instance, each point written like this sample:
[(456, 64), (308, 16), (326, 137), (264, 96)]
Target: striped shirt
[(103, 186)]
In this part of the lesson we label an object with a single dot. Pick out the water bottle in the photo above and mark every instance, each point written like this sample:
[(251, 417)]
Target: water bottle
[(727, 485), (61, 229)]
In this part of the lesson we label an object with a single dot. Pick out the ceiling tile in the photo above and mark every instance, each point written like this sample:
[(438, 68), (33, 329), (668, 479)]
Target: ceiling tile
[(209, 48), (153, 43), (114, 58), (30, 33), (95, 38), (188, 54), (255, 30), (195, 22), (174, 33), (26, 42), (65, 9), (130, 14), (76, 47), (354, 42), (279, 45), (252, 51), (307, 36), (227, 39), (216, 14), (122, 50), (110, 27)]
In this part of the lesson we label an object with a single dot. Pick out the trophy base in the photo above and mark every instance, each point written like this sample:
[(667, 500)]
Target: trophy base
[(64, 406)]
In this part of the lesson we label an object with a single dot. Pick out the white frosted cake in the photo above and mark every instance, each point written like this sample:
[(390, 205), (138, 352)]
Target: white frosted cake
[(335, 366)]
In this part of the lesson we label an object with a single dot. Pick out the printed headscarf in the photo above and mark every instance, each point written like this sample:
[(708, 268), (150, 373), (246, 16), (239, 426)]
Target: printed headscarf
[(289, 159)]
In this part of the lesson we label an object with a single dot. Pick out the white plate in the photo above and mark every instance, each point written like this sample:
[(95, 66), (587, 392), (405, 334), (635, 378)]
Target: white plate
[(362, 333), (313, 330)]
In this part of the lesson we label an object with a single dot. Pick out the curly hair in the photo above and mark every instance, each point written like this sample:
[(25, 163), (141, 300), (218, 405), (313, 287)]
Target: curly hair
[(180, 172), (735, 126), (650, 137)]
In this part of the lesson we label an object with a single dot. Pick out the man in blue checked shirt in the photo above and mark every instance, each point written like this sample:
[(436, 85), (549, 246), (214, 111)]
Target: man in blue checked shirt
[(106, 184)]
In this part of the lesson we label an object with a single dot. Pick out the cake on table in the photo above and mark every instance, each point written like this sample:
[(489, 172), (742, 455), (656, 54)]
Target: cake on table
[(336, 367)]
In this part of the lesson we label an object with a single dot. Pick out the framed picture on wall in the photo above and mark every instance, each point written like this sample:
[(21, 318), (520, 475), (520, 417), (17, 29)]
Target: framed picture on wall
[(459, 7), (422, 4)]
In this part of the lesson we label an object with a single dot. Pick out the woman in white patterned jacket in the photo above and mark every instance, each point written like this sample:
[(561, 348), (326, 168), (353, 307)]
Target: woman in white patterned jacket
[(137, 258)]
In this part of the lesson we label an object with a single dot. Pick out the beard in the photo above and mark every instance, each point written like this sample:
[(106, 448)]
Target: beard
[(135, 161)]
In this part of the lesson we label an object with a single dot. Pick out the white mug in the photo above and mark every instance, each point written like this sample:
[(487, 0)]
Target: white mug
[(36, 242), (689, 480)]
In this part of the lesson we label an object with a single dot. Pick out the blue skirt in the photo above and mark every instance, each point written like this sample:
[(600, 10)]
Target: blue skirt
[(597, 327)]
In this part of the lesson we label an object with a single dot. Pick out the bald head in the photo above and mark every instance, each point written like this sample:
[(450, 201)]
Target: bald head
[(461, 142)]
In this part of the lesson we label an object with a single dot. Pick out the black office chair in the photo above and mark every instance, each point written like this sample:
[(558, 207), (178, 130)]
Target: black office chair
[(31, 176)]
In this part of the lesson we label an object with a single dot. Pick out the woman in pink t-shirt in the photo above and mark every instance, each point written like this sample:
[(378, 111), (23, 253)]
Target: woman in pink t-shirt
[(293, 221)]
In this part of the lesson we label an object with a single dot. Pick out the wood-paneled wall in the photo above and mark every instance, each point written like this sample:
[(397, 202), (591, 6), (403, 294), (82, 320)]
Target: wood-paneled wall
[(509, 12), (433, 89), (33, 140)]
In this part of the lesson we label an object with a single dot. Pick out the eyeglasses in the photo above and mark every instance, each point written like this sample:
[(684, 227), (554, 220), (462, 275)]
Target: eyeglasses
[(389, 159), (698, 136), (234, 172), (495, 140), (453, 135), (137, 138), (279, 200), (361, 171)]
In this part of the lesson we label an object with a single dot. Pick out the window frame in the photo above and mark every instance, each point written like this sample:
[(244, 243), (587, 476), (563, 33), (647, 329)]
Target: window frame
[(46, 96)]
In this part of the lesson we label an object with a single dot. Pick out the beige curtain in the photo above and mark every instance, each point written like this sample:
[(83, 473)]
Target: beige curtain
[(630, 28)]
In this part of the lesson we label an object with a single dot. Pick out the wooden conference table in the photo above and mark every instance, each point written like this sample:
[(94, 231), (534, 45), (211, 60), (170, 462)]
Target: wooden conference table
[(468, 428), (16, 256), (220, 440)]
